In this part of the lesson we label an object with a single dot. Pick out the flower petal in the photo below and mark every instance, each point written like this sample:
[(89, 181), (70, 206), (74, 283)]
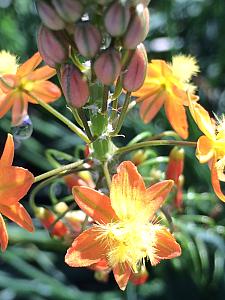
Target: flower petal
[(6, 101), (204, 150), (127, 191), (176, 115), (29, 65), (215, 180), (46, 91), (151, 106), (18, 214), (122, 274), (94, 204), (19, 109), (87, 249), (8, 152), (42, 73), (165, 245), (8, 82), (3, 234), (156, 194), (14, 184)]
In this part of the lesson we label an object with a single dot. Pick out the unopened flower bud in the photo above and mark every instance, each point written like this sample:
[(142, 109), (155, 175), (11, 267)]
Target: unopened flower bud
[(69, 10), (133, 78), (74, 86), (52, 47), (117, 18), (107, 66), (176, 164), (88, 39), (138, 28), (139, 157), (141, 277), (49, 16)]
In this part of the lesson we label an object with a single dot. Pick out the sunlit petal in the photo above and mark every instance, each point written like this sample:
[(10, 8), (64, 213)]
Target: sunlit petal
[(29, 65), (3, 234), (8, 152), (122, 274)]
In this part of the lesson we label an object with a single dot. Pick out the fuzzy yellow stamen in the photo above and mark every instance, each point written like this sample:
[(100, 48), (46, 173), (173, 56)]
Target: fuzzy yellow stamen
[(8, 63)]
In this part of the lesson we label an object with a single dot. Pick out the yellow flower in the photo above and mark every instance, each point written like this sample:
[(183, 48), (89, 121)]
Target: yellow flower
[(8, 63)]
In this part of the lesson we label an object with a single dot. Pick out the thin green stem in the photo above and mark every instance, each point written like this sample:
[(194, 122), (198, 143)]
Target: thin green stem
[(76, 116), (152, 144), (85, 123), (61, 170), (105, 99), (167, 133), (122, 115), (63, 119), (107, 175)]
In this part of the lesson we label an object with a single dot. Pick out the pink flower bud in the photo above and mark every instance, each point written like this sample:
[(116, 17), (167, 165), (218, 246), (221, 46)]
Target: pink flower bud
[(52, 47), (49, 16), (88, 39), (138, 28), (107, 66), (133, 78), (74, 86), (117, 18), (68, 10)]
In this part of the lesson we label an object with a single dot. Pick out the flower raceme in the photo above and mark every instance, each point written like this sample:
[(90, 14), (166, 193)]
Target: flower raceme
[(17, 82), (125, 230), (14, 184), (167, 84), (211, 145)]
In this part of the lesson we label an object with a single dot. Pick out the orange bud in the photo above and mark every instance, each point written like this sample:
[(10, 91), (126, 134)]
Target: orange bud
[(52, 47), (102, 276), (138, 28), (107, 66), (176, 164), (48, 16), (138, 157), (179, 195), (68, 10), (75, 220), (74, 86), (134, 77), (82, 178), (88, 39), (117, 18), (139, 278)]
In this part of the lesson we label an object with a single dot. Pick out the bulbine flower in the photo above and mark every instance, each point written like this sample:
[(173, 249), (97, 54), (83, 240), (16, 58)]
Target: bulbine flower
[(125, 230), (14, 184), (211, 145), (167, 84), (17, 83)]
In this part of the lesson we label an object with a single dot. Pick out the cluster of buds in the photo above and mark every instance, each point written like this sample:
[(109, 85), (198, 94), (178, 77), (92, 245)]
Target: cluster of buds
[(89, 49)]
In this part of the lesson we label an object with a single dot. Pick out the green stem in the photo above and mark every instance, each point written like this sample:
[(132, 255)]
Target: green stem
[(107, 175), (59, 170), (169, 133), (63, 119), (76, 116), (85, 123), (122, 115), (154, 143), (105, 99)]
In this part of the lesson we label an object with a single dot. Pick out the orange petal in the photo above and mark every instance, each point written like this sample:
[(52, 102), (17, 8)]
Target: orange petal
[(127, 191), (146, 92), (176, 115), (87, 249), (46, 91), (215, 180), (102, 265), (202, 119), (204, 150), (151, 106), (156, 194), (18, 214), (42, 73), (14, 184), (122, 274), (29, 65), (94, 204), (3, 234), (6, 101), (8, 82), (165, 245), (8, 152), (19, 109)]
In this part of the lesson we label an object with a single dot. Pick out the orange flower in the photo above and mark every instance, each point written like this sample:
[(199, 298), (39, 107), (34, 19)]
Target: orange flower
[(167, 84), (211, 145), (125, 232), (14, 184), (25, 79)]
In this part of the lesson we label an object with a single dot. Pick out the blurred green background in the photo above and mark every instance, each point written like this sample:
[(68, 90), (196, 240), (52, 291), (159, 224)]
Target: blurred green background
[(33, 267)]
